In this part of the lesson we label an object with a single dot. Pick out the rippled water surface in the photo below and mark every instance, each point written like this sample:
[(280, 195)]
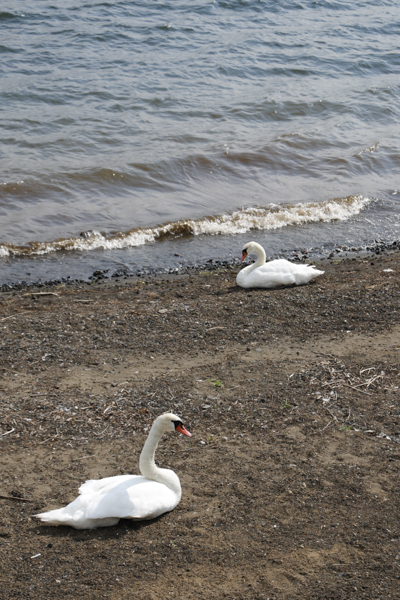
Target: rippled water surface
[(134, 131)]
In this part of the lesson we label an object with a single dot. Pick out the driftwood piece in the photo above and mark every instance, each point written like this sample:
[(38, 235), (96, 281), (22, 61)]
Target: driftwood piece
[(41, 294), (15, 498)]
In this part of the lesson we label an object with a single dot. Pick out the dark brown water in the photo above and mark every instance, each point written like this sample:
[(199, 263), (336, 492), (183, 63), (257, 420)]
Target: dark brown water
[(133, 132)]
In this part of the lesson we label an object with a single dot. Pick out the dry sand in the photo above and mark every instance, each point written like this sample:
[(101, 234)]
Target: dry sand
[(291, 479)]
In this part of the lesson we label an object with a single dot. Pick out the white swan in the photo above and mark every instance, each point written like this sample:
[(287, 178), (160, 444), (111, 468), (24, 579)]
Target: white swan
[(104, 502), (274, 273)]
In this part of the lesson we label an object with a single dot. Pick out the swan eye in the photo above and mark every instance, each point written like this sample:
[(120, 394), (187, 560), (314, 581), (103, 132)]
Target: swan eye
[(177, 423)]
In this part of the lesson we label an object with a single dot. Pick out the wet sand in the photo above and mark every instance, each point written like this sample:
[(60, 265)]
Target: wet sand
[(291, 479)]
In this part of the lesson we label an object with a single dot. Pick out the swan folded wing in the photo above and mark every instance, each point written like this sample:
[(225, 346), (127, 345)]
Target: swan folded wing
[(103, 502), (286, 273), (274, 276), (265, 277), (137, 498), (281, 265), (94, 486)]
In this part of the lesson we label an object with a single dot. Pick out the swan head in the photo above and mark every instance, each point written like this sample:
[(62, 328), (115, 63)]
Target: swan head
[(170, 422), (248, 249)]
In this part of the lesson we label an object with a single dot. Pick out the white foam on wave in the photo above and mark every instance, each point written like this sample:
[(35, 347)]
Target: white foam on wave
[(240, 221), (94, 241), (277, 216), (4, 251)]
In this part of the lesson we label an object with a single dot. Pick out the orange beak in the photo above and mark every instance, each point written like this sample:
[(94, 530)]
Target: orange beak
[(244, 254), (181, 429)]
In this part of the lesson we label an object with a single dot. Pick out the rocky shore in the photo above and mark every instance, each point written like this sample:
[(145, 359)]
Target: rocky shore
[(291, 479), (379, 247)]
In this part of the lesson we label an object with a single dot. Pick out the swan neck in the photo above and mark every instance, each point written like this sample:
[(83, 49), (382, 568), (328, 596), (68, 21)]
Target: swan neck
[(261, 256), (147, 465)]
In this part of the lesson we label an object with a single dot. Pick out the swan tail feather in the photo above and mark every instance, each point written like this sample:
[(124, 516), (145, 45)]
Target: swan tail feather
[(60, 517)]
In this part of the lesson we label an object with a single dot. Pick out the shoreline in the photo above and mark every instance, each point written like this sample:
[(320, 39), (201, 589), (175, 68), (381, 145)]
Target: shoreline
[(145, 274)]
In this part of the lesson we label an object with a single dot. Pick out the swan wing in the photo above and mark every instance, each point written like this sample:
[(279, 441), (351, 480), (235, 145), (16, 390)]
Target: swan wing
[(103, 502)]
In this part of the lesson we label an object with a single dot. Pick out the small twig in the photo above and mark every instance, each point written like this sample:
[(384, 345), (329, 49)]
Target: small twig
[(16, 315), (332, 415), (371, 287), (330, 422), (332, 383), (41, 294), (7, 432), (357, 390), (15, 498), (374, 379), (101, 432), (368, 369), (368, 383), (50, 438), (218, 327)]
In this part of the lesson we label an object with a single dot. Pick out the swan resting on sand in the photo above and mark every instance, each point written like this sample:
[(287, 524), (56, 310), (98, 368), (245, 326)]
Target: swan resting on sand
[(103, 502), (276, 273)]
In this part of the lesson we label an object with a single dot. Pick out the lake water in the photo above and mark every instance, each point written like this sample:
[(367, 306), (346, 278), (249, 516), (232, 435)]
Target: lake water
[(161, 134)]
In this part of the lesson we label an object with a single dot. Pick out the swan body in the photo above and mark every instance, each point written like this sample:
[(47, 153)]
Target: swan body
[(103, 502), (276, 273)]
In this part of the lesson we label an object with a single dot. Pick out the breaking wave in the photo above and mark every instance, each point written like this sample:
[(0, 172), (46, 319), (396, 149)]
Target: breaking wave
[(243, 220)]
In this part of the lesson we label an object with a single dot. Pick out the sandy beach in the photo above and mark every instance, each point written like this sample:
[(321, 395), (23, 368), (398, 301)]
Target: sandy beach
[(291, 479)]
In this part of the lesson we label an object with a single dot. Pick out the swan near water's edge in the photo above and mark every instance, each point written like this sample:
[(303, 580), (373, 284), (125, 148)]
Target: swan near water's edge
[(276, 273)]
